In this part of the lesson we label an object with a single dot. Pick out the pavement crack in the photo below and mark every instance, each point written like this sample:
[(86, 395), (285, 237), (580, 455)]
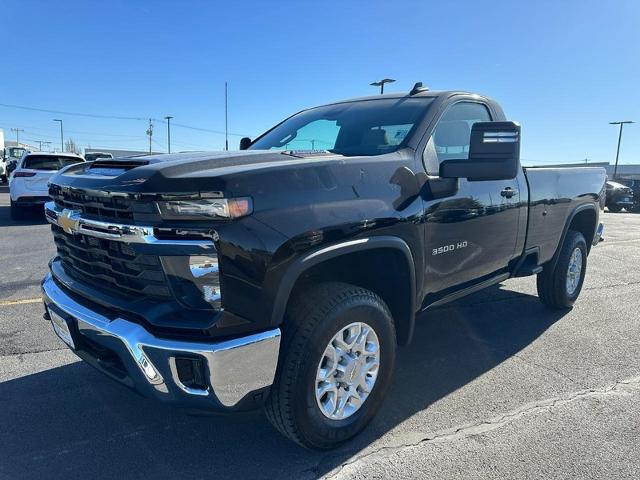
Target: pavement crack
[(20, 356), (619, 387), (615, 285)]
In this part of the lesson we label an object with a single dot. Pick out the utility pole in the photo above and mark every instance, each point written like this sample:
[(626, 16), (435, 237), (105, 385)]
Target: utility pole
[(61, 134), (226, 118), (48, 145), (615, 169), (150, 133), (381, 84), (168, 119), (17, 130)]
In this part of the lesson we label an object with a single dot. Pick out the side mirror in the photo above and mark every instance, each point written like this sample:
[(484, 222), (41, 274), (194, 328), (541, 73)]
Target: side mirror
[(245, 142), (494, 153)]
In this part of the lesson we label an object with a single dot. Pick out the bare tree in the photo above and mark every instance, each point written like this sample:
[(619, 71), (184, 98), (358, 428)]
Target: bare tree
[(71, 147)]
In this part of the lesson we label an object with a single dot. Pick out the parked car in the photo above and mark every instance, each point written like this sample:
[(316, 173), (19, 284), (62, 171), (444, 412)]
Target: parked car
[(28, 186), (11, 157), (286, 275), (634, 185), (619, 196), (90, 157)]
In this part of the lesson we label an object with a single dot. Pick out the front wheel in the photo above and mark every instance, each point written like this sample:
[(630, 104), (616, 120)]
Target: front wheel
[(338, 355), (614, 208), (559, 287)]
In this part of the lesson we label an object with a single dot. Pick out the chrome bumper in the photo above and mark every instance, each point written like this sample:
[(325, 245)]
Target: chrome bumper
[(234, 368), (599, 235)]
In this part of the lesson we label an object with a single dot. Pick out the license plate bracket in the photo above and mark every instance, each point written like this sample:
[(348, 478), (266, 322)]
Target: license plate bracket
[(61, 327)]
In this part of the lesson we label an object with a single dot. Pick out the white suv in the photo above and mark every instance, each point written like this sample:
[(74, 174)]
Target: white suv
[(28, 184)]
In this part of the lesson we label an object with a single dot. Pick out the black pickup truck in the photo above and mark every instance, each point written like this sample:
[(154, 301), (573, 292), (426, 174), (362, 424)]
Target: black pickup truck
[(285, 274)]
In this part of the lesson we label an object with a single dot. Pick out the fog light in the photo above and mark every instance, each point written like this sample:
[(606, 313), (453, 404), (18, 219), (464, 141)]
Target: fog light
[(201, 265), (205, 273), (211, 293)]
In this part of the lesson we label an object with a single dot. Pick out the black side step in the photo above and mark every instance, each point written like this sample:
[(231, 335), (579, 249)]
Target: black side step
[(526, 270)]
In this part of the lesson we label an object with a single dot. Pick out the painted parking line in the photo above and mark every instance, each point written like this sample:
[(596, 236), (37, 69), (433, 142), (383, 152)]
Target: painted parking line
[(4, 303)]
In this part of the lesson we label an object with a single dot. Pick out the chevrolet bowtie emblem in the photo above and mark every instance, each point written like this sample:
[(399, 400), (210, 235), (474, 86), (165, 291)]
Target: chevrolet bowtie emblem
[(69, 220)]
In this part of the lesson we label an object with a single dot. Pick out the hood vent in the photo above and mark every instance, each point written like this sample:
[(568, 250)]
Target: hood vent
[(125, 164)]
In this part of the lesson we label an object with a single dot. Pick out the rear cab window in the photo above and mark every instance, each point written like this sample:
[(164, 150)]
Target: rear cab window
[(49, 162)]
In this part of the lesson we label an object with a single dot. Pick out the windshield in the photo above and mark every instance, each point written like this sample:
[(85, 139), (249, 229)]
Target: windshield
[(48, 162), (16, 152), (368, 127)]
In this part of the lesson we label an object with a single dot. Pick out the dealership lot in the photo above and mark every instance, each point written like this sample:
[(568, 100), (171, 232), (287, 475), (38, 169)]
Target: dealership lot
[(493, 386)]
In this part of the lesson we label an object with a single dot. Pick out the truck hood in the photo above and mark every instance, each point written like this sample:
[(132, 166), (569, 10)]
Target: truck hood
[(183, 173)]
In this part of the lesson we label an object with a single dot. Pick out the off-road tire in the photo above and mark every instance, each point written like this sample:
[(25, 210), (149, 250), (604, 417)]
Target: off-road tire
[(551, 284), (315, 315)]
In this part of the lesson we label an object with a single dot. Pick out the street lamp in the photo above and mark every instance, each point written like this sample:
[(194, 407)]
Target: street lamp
[(168, 119), (61, 134), (615, 169), (381, 84)]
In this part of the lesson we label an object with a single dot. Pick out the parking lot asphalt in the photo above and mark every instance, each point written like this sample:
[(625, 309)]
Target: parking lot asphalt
[(493, 386)]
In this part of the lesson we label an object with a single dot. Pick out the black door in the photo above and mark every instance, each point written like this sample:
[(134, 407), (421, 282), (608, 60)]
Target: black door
[(471, 230)]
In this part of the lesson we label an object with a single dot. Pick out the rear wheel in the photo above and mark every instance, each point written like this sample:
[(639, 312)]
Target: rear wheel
[(337, 360), (16, 212), (560, 287)]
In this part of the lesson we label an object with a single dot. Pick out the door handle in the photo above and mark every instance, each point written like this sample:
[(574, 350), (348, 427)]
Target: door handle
[(508, 192)]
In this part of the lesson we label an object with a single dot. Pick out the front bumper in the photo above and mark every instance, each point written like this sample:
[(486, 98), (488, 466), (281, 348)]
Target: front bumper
[(599, 235), (237, 372)]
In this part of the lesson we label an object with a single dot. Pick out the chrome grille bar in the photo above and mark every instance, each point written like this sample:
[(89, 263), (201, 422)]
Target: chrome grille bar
[(72, 222)]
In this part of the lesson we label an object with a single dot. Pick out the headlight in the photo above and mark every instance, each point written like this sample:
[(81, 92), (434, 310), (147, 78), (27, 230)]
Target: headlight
[(206, 208)]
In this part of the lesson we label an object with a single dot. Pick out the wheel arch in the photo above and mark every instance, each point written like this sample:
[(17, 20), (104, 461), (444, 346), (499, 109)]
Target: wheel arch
[(584, 219), (336, 262)]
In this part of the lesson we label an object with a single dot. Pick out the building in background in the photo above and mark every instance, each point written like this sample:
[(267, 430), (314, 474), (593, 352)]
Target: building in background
[(118, 153), (625, 171)]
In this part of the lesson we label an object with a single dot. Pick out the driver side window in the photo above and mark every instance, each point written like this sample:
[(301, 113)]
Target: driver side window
[(450, 139)]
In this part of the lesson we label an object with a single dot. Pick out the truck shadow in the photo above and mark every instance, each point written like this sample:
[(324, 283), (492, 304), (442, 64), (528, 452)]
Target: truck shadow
[(70, 421)]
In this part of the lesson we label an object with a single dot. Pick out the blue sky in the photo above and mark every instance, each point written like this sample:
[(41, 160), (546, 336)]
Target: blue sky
[(564, 69)]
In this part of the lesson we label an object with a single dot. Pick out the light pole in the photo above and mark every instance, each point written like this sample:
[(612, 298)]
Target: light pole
[(615, 169), (150, 134), (61, 134), (168, 119), (226, 119), (381, 84)]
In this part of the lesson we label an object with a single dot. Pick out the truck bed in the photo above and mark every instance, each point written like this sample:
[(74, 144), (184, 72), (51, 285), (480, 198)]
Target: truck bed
[(553, 194)]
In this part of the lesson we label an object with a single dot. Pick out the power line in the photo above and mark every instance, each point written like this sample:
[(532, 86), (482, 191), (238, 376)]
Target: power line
[(30, 127), (17, 130), (117, 117)]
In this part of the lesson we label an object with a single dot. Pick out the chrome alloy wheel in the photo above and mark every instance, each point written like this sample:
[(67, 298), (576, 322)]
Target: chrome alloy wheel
[(574, 271), (347, 371)]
